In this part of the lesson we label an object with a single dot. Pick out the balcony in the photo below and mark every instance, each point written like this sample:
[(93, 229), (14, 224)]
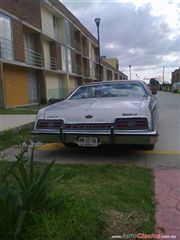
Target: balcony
[(85, 52), (77, 70), (86, 72), (97, 59), (6, 48), (33, 58), (50, 63), (49, 31), (77, 46)]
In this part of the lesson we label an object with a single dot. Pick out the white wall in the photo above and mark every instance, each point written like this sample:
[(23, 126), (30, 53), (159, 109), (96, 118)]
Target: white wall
[(54, 85), (47, 55), (47, 22)]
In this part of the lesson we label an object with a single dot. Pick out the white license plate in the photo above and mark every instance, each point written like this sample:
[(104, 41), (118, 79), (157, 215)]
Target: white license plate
[(87, 141)]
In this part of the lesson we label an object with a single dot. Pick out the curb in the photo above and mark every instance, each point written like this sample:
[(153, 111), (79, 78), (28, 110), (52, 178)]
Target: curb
[(18, 128)]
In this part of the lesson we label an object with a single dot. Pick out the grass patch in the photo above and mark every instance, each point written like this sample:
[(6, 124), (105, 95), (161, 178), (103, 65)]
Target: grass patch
[(105, 200), (22, 110), (10, 138)]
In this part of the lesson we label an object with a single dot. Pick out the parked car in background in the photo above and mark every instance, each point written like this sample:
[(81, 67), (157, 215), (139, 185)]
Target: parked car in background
[(106, 112), (154, 85), (176, 87)]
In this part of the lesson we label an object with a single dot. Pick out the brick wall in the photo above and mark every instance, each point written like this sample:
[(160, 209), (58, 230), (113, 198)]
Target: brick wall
[(1, 86), (38, 42), (26, 10), (18, 40), (55, 49)]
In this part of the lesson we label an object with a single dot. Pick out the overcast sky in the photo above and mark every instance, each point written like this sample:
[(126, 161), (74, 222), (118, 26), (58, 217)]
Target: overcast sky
[(142, 33)]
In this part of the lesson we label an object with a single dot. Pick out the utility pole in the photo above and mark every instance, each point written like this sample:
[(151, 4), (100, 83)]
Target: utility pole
[(97, 21), (129, 72), (163, 73)]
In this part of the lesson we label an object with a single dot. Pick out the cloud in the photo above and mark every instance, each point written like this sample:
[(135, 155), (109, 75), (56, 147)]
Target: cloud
[(133, 34)]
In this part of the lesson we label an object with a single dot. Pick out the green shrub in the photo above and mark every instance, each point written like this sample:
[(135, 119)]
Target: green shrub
[(30, 195)]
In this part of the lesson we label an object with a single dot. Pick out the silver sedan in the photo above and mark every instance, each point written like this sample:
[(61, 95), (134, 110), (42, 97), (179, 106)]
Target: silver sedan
[(106, 112)]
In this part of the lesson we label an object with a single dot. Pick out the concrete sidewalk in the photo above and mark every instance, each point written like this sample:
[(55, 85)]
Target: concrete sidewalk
[(8, 122), (167, 194)]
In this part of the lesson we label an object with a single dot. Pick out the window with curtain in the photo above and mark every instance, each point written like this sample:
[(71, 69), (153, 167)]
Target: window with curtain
[(29, 49), (69, 60), (63, 57), (68, 32), (6, 43)]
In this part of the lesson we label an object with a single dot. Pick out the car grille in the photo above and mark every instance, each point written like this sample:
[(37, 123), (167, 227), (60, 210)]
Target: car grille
[(131, 123), (94, 126), (49, 124)]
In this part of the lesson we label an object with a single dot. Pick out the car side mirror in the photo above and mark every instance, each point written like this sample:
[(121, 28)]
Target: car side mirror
[(154, 92), (154, 89)]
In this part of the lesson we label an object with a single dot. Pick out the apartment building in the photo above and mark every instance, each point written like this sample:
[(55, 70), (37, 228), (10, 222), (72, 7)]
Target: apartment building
[(45, 52), (110, 70), (175, 76)]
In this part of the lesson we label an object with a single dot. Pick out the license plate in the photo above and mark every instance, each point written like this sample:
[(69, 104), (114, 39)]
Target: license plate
[(87, 141)]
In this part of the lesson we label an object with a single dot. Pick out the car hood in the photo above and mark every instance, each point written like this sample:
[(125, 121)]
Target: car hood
[(95, 110)]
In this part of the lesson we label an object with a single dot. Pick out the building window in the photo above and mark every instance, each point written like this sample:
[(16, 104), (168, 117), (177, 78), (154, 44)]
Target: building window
[(55, 26), (29, 41), (63, 57), (6, 43), (68, 32), (32, 87), (29, 49), (69, 60)]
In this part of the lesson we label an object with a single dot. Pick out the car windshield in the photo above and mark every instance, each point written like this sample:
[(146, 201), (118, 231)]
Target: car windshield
[(109, 90)]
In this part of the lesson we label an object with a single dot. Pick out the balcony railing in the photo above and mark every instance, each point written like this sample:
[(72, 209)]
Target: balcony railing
[(33, 58), (50, 63), (97, 59), (48, 30), (86, 72), (85, 52), (77, 70), (77, 46), (6, 48)]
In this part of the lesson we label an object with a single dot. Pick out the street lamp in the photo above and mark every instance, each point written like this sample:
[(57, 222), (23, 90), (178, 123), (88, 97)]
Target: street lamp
[(97, 21), (163, 73), (129, 72)]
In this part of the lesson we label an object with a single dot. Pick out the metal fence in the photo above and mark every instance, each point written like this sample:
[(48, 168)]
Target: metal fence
[(33, 58)]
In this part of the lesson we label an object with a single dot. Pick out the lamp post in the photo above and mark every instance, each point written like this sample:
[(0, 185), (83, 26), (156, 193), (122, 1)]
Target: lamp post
[(97, 21), (163, 73), (129, 72)]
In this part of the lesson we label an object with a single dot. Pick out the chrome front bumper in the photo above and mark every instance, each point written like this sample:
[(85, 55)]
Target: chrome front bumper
[(104, 137)]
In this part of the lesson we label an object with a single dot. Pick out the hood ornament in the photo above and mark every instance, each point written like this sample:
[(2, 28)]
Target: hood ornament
[(88, 116)]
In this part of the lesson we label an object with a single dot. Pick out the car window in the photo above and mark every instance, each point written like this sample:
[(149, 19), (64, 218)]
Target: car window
[(109, 90)]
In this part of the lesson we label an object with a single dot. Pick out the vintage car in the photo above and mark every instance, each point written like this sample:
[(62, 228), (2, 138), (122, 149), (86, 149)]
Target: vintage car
[(105, 112)]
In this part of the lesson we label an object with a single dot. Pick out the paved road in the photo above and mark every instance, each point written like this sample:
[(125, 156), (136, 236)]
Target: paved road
[(165, 155), (169, 124)]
